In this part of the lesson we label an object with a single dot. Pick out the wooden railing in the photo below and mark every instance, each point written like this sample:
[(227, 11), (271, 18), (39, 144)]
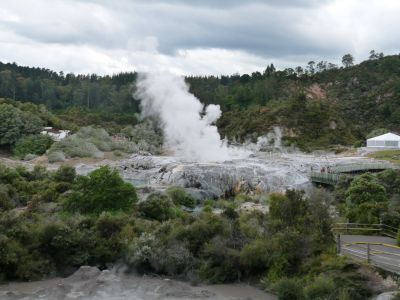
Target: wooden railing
[(368, 229), (360, 167), (332, 174), (325, 178)]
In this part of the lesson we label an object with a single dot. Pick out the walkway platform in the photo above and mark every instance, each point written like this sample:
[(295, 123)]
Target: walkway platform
[(379, 251), (332, 176)]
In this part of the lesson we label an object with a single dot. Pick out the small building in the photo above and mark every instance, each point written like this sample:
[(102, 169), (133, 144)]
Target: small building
[(55, 134), (387, 140)]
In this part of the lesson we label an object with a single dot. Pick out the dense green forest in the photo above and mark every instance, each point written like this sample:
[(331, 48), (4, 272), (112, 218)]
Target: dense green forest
[(317, 106)]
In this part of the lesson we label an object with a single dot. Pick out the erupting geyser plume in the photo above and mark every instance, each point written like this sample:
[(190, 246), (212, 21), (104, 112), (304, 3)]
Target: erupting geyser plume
[(188, 126)]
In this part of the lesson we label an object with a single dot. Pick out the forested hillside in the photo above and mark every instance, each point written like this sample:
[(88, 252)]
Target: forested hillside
[(317, 106)]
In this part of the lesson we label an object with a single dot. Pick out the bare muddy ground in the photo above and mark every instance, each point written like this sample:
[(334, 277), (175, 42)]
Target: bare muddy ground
[(90, 283)]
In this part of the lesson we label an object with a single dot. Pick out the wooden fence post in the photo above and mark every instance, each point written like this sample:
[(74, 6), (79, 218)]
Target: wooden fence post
[(338, 246), (368, 254)]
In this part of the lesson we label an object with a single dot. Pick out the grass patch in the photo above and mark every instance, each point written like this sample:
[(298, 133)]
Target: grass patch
[(388, 155)]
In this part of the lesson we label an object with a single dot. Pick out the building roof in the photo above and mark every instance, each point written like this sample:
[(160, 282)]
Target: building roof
[(386, 137)]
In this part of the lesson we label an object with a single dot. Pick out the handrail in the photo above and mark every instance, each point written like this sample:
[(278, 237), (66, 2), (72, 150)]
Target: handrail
[(365, 224), (384, 229), (333, 173), (372, 243), (384, 252), (360, 167)]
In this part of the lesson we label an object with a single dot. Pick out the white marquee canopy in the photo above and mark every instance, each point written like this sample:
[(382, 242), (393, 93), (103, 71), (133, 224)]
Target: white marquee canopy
[(387, 140)]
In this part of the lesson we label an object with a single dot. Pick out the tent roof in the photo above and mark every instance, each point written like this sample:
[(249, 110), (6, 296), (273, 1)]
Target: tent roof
[(386, 137)]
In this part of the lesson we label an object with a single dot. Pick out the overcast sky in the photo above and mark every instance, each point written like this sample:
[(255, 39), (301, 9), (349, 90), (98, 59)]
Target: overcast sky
[(193, 36)]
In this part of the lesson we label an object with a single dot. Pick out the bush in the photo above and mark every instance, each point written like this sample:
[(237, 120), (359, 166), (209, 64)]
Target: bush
[(29, 157), (73, 146), (173, 259), (140, 252), (33, 144), (289, 289), (157, 207), (6, 197), (102, 190), (322, 288), (366, 200), (56, 156), (90, 142), (65, 174), (16, 123), (118, 153), (97, 136), (255, 256), (180, 197)]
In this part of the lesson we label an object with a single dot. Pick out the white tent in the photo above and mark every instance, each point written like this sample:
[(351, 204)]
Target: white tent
[(387, 140)]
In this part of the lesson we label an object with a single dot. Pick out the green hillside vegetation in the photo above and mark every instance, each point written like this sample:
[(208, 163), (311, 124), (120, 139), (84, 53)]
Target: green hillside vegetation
[(22, 123), (53, 222), (318, 106), (20, 127)]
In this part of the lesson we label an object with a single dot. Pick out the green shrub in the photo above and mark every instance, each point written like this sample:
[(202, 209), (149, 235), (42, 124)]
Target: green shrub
[(96, 136), (157, 207), (32, 144), (6, 197), (209, 202), (366, 200), (118, 153), (65, 245), (140, 252), (145, 137), (289, 289), (56, 156), (91, 142), (220, 262), (73, 146), (29, 157), (255, 257), (34, 267), (180, 197), (125, 146), (65, 174), (16, 123), (102, 190), (320, 289), (110, 224)]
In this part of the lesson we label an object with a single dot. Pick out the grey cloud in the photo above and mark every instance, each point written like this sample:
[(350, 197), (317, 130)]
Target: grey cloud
[(217, 3), (283, 31), (266, 28)]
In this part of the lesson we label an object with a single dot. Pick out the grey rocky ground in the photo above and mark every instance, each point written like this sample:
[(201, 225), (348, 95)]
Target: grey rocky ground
[(265, 172), (92, 284)]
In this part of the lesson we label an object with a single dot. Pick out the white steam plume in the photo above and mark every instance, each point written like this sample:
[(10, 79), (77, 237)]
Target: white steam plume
[(187, 133)]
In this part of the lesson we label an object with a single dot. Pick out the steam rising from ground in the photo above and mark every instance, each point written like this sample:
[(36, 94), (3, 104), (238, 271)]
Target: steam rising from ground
[(188, 126)]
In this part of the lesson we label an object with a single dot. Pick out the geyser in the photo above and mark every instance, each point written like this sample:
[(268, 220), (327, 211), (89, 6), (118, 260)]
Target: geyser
[(188, 125)]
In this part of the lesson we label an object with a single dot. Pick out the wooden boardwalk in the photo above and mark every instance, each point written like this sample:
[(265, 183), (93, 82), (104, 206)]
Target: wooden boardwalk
[(371, 243), (379, 251), (335, 172)]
